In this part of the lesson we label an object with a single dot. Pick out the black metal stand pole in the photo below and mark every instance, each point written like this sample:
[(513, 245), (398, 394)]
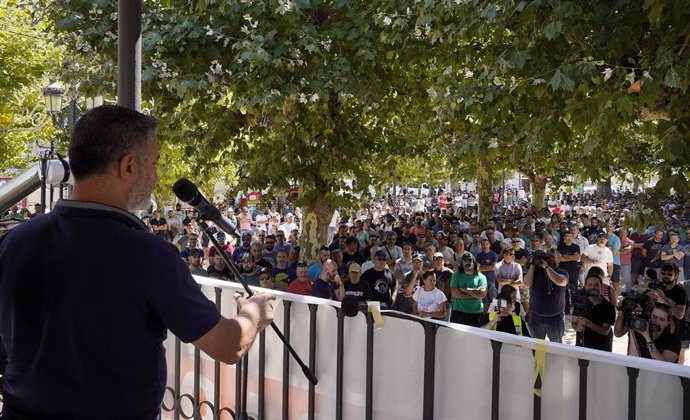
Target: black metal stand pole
[(238, 276)]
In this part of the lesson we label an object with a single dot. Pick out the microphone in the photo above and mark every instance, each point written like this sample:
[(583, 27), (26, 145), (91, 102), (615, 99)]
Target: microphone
[(186, 191), (351, 306)]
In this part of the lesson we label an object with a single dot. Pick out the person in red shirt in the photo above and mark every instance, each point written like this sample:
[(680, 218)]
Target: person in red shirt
[(302, 284)]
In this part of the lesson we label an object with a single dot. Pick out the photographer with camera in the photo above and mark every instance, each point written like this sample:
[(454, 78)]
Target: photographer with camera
[(668, 290), (547, 284), (648, 324), (504, 318), (593, 316)]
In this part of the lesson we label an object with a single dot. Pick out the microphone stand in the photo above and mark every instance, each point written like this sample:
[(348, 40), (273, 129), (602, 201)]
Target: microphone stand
[(240, 279)]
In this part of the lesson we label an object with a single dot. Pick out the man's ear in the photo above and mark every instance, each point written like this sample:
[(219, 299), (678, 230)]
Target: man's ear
[(127, 167)]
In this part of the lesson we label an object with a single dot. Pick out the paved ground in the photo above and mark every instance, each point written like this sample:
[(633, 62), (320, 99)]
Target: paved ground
[(620, 345)]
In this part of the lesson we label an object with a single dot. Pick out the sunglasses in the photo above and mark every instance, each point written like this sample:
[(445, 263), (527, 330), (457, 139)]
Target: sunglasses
[(264, 278), (269, 243), (516, 242)]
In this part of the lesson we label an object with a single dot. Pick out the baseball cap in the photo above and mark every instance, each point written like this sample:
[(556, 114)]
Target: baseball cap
[(195, 252), (438, 255), (417, 256), (602, 235), (380, 253), (355, 267)]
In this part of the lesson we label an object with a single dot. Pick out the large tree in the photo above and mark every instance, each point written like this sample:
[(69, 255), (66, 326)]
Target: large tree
[(312, 93), (26, 59)]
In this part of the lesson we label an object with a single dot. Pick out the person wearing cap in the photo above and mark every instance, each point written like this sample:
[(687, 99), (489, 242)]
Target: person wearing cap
[(411, 281), (380, 279), (598, 255), (249, 269), (194, 263), (244, 248), (354, 286), (469, 288), (224, 246), (443, 248), (265, 278), (443, 276)]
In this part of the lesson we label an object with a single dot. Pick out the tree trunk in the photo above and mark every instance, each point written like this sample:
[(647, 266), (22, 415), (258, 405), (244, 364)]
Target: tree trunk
[(538, 186), (604, 188), (635, 184), (317, 216), (485, 179)]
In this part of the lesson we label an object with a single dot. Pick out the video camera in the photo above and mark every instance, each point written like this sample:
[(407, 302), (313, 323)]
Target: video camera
[(636, 311), (654, 282), (579, 301), (538, 256)]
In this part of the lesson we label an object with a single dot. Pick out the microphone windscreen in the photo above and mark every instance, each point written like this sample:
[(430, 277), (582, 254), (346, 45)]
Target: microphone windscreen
[(350, 306), (185, 190)]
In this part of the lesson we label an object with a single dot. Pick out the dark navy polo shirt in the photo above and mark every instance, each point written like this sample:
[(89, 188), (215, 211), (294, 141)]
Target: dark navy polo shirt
[(86, 297)]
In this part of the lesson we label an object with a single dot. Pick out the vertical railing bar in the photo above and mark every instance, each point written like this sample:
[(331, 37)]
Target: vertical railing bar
[(584, 365), (216, 365), (286, 359), (632, 392), (178, 386), (495, 379), (262, 373), (339, 365), (369, 391), (312, 359), (429, 369), (197, 382)]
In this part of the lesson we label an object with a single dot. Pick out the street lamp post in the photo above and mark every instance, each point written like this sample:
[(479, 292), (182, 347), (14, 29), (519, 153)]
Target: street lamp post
[(53, 96)]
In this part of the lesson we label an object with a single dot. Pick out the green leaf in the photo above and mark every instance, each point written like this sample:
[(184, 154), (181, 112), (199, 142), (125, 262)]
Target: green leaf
[(567, 83), (521, 57), (555, 81), (489, 12), (624, 106), (552, 29), (672, 79), (655, 14)]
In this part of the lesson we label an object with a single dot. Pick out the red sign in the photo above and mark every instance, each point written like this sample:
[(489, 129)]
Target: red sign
[(442, 202), (254, 198)]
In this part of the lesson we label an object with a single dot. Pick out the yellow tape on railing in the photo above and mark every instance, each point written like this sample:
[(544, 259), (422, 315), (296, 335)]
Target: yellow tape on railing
[(539, 367), (375, 309)]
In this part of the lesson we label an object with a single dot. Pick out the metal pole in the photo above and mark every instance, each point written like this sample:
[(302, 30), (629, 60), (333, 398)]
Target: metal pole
[(129, 53)]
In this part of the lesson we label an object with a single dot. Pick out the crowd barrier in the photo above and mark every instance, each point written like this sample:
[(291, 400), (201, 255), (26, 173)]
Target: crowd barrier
[(411, 369)]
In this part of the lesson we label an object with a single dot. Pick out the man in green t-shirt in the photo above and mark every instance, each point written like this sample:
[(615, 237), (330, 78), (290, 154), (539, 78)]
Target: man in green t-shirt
[(468, 287)]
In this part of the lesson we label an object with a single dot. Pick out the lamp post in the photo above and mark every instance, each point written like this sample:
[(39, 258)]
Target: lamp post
[(53, 95)]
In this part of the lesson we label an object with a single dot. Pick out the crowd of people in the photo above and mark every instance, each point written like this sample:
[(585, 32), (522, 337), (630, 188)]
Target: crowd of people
[(521, 273)]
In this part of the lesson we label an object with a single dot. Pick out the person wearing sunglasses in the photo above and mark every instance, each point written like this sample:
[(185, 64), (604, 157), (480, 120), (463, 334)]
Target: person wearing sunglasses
[(672, 292)]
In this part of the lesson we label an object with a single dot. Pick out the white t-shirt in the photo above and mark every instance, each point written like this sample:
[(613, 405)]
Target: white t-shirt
[(604, 255), (429, 301)]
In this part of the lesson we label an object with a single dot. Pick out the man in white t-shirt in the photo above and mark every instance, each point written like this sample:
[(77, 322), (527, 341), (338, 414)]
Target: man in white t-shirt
[(599, 255)]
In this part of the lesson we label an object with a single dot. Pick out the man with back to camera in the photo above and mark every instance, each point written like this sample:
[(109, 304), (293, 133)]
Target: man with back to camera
[(85, 341)]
